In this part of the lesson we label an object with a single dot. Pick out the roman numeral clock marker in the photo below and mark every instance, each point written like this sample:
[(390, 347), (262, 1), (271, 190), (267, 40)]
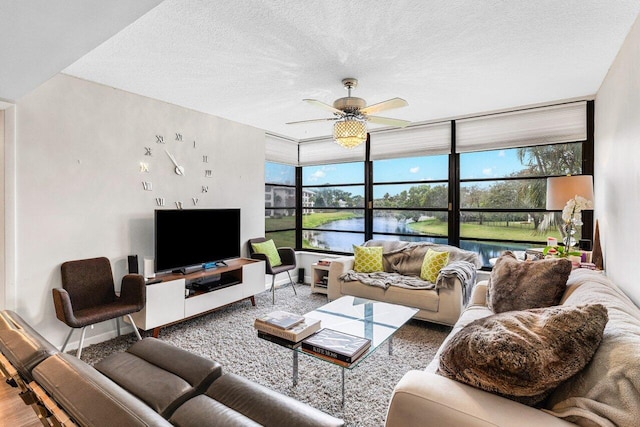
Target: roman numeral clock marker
[(178, 149)]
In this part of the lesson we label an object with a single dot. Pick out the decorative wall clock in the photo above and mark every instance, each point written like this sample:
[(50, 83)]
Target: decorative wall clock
[(184, 159)]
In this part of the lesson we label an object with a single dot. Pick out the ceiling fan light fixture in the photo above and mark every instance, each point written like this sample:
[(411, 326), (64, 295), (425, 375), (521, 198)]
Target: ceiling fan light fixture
[(349, 133)]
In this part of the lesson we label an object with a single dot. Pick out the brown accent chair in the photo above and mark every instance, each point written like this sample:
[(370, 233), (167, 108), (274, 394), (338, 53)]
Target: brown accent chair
[(288, 257), (88, 296)]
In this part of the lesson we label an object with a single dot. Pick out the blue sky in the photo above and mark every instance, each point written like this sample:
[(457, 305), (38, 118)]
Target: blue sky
[(485, 164)]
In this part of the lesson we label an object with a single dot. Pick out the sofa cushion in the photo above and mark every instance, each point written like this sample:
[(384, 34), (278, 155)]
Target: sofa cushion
[(89, 397), (524, 355), (606, 391), (432, 264), (161, 375), (22, 345), (516, 285), (266, 407), (367, 259), (424, 299), (202, 410), (269, 249), (406, 257), (407, 262)]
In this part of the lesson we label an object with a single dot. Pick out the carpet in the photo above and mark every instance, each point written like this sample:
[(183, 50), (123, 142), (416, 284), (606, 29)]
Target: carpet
[(228, 336)]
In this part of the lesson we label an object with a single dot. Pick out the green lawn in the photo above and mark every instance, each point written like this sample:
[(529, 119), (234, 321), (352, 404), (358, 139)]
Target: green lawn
[(316, 220), (434, 227), (281, 223), (488, 230)]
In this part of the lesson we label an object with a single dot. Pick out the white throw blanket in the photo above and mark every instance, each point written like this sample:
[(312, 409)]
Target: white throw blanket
[(461, 270), (607, 391)]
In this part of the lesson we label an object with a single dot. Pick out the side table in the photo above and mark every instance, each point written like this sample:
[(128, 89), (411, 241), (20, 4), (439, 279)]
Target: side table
[(319, 278)]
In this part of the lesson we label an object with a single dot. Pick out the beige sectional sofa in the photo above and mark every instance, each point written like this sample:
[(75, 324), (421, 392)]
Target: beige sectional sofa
[(605, 393), (442, 304)]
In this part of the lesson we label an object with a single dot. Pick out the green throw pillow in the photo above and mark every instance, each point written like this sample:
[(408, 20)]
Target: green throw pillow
[(269, 249), (433, 262), (367, 259)]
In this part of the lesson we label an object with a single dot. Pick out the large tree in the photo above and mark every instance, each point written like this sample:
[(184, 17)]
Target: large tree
[(560, 159)]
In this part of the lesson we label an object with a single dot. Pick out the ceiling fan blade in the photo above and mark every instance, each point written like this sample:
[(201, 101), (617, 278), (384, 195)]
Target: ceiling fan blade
[(384, 105), (388, 121), (312, 120), (324, 106)]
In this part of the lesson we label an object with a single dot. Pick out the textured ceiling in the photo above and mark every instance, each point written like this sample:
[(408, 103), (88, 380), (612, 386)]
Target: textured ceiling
[(38, 38), (253, 61)]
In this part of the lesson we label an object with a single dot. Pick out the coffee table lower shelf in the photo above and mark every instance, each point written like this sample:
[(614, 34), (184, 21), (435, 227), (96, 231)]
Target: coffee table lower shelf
[(376, 321), (343, 365)]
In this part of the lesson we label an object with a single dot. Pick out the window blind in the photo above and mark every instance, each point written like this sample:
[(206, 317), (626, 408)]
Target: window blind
[(280, 150), (536, 126), (411, 141), (325, 151)]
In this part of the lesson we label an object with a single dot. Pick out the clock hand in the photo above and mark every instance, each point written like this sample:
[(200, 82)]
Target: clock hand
[(179, 169)]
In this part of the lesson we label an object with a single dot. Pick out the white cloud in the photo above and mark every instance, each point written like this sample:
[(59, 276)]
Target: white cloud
[(501, 153), (487, 171), (319, 174), (415, 170)]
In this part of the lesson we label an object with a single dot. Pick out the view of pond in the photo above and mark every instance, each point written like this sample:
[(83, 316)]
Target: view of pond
[(338, 240)]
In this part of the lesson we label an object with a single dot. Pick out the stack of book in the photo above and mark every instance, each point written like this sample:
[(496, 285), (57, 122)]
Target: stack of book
[(325, 261), (337, 346), (285, 329)]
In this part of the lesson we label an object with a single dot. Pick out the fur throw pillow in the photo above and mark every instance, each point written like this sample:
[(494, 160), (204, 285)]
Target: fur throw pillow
[(518, 285), (524, 355)]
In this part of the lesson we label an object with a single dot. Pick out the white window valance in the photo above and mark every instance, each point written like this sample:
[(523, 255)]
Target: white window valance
[(536, 126), (280, 150), (411, 141), (325, 151)]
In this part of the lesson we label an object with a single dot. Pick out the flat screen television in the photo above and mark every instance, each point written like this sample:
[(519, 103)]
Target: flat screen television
[(190, 237)]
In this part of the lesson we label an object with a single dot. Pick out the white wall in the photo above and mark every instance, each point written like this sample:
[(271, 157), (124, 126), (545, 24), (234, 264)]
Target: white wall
[(79, 192), (2, 218), (617, 166)]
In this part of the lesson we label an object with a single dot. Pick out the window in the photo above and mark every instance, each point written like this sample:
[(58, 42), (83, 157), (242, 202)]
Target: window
[(503, 194), (333, 206), (410, 198), (478, 183), (280, 204)]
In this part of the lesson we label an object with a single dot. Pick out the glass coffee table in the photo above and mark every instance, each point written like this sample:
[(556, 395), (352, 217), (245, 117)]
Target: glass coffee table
[(377, 321)]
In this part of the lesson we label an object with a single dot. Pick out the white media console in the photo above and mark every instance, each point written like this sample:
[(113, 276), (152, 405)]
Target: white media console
[(169, 301)]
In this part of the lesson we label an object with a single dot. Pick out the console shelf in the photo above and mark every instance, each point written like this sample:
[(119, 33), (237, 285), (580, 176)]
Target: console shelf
[(170, 302)]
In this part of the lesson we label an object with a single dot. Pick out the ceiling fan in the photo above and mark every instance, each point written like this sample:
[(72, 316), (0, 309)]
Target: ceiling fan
[(351, 114)]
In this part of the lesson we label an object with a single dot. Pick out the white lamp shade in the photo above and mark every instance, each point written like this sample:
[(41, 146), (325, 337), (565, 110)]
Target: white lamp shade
[(563, 188)]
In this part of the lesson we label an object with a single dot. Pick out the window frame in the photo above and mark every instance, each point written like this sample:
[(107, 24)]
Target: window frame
[(454, 183)]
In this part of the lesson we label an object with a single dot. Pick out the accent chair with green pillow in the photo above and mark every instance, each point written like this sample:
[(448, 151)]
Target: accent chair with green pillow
[(277, 260), (269, 249)]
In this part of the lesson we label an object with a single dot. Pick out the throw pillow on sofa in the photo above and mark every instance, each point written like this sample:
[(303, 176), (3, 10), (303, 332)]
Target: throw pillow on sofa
[(524, 355), (367, 259), (432, 264), (518, 285), (269, 249)]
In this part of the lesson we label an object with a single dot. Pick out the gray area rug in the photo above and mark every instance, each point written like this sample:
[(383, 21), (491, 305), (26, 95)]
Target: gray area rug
[(228, 336)]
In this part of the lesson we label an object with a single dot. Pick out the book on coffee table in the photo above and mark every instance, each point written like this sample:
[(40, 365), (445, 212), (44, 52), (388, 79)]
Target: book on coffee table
[(277, 340), (296, 333), (336, 345), (280, 319)]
